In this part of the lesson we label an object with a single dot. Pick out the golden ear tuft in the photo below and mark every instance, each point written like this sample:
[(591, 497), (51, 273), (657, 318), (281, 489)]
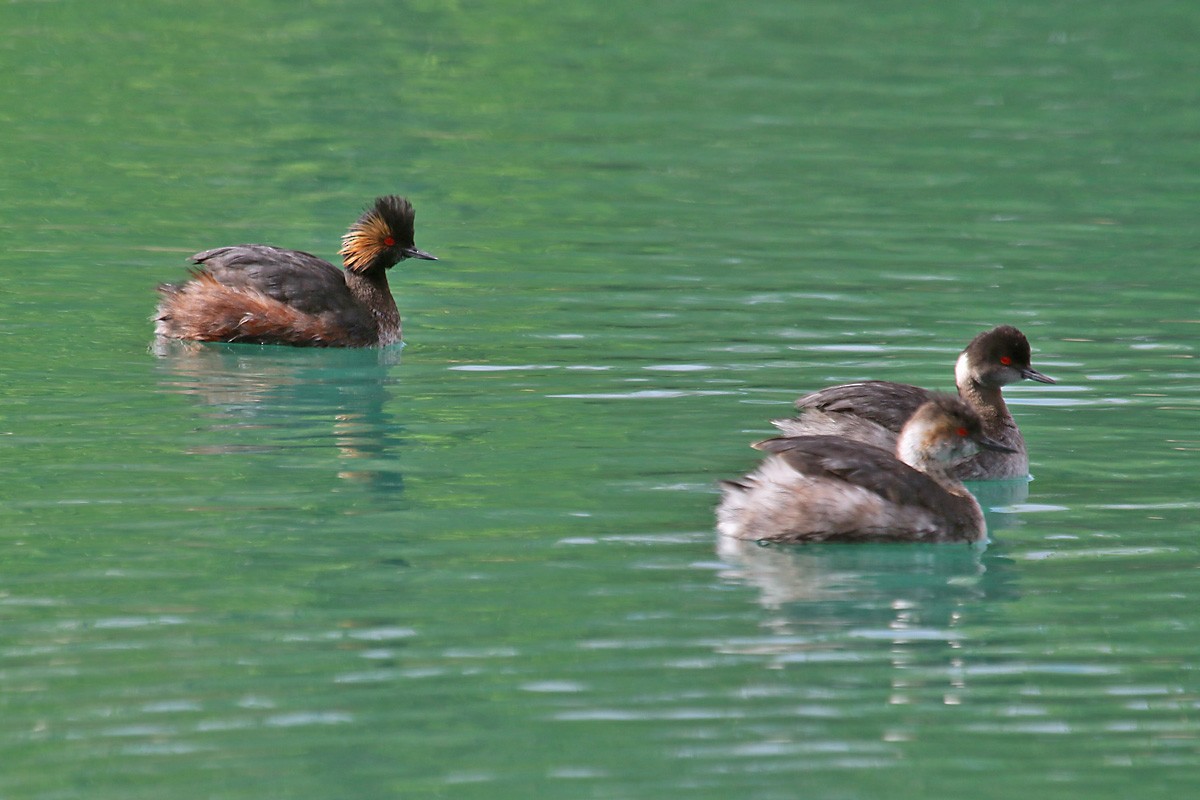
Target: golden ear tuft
[(365, 241)]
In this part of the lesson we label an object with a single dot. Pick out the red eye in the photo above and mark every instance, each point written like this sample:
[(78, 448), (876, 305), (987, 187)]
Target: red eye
[(961, 431), (1005, 360), (389, 241)]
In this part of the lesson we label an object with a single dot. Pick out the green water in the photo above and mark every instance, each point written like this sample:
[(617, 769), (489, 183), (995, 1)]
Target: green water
[(483, 566)]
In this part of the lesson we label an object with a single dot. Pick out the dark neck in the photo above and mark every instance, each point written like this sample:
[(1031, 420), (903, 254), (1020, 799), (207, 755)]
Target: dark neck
[(371, 289), (988, 403)]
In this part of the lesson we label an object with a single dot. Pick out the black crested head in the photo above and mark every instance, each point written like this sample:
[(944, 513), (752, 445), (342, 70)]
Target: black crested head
[(382, 236), (398, 213)]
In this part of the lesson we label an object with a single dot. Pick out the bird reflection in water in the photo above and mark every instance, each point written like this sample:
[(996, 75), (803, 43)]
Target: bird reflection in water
[(909, 605), (264, 400)]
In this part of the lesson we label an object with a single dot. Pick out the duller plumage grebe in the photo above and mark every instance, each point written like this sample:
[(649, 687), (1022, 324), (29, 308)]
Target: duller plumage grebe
[(267, 295), (874, 411), (833, 489)]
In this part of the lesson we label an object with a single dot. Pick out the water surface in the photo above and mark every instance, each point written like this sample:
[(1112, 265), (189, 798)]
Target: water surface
[(483, 565)]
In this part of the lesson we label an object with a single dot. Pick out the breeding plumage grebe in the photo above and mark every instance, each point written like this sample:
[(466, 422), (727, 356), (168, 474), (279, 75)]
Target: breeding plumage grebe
[(874, 411), (833, 489), (267, 295)]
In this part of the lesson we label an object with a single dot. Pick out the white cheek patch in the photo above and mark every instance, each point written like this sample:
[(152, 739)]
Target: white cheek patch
[(961, 370)]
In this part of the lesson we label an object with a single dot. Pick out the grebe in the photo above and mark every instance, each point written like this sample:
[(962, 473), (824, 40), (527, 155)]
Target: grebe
[(833, 489), (874, 411), (267, 295)]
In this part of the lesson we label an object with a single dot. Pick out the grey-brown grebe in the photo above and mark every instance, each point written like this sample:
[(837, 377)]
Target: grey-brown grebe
[(833, 489)]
